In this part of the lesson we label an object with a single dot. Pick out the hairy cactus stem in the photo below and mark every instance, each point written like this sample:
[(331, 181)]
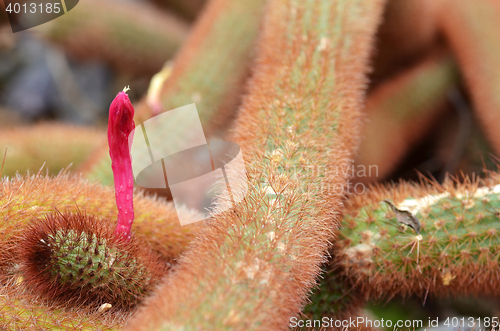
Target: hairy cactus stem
[(454, 248), (77, 259)]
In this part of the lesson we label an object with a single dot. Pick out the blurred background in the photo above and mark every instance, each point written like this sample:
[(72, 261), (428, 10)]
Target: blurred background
[(71, 68)]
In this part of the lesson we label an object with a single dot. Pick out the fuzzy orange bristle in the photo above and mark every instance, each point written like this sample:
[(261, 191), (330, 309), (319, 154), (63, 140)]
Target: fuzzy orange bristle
[(376, 256), (75, 258), (23, 198)]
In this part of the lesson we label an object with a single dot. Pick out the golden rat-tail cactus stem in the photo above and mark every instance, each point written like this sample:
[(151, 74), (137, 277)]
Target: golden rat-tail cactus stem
[(55, 145), (472, 29), (400, 111), (210, 70), (422, 240), (132, 38), (73, 258), (253, 266)]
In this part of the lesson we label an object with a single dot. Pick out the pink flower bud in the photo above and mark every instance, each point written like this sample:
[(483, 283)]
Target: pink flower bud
[(120, 124)]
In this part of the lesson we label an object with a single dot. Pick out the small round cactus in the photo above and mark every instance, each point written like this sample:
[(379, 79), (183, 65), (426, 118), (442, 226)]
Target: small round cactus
[(74, 257)]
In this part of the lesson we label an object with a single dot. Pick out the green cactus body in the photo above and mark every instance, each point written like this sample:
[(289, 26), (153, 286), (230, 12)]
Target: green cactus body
[(377, 256), (80, 259), (23, 198), (73, 257), (252, 266)]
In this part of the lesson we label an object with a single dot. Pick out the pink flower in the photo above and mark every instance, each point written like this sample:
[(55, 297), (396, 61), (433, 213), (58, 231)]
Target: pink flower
[(120, 124)]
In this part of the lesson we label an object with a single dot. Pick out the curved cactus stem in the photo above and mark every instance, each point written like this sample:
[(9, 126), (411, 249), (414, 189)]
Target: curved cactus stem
[(377, 256)]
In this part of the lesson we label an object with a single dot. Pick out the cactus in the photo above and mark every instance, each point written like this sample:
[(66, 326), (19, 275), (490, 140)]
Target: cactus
[(251, 267), (77, 259), (24, 197), (454, 250)]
